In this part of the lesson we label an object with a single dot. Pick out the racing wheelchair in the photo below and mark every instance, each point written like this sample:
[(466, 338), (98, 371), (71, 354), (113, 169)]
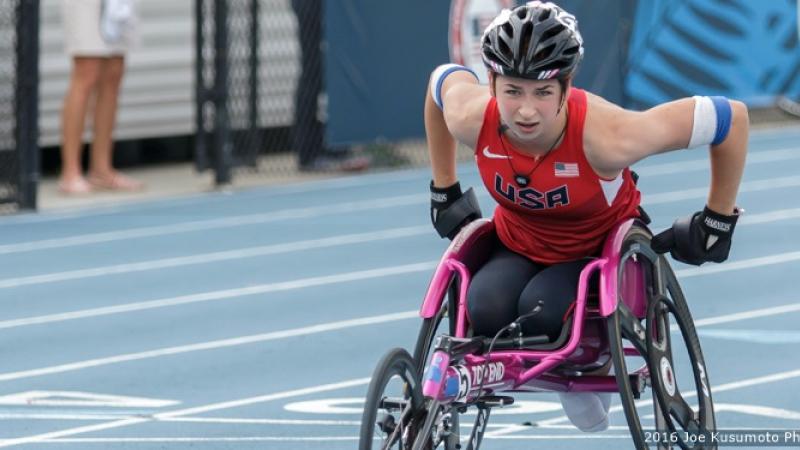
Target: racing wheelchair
[(629, 312)]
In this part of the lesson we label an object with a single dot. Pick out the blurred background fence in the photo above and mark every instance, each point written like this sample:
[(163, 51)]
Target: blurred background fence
[(272, 88), (19, 43)]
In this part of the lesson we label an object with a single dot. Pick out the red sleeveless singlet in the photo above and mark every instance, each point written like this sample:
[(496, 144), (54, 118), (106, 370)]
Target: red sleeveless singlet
[(567, 209)]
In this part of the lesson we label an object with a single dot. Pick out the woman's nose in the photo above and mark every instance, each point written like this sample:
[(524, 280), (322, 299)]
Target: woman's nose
[(526, 111)]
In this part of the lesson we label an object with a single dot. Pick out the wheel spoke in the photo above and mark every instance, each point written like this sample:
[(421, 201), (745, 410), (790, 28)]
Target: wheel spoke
[(387, 417), (632, 328), (683, 412)]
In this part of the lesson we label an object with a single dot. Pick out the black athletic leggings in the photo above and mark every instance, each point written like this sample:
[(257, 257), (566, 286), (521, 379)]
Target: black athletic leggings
[(510, 285)]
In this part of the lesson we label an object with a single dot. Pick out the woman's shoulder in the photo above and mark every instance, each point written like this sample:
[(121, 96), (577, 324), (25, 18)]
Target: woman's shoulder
[(465, 111), (601, 132)]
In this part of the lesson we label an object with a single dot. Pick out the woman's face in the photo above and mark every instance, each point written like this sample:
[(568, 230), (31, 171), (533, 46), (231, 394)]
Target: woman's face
[(528, 107)]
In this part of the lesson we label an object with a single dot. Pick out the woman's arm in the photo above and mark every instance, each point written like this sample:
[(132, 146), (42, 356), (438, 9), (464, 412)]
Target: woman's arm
[(453, 111), (460, 119), (616, 138)]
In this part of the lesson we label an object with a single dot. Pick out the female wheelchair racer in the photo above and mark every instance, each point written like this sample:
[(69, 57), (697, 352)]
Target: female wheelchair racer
[(555, 158)]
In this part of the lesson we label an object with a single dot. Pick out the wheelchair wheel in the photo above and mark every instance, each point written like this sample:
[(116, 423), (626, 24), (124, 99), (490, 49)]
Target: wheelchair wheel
[(431, 327), (438, 428), (663, 355), (393, 405)]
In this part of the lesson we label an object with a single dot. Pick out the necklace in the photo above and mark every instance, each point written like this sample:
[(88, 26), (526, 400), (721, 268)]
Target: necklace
[(524, 180)]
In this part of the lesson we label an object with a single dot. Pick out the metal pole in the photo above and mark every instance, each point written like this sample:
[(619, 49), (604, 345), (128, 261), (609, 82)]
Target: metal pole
[(223, 146), (27, 102), (254, 65), (200, 91)]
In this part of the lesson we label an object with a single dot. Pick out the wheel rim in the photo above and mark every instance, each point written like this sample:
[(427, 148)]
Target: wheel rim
[(666, 311), (669, 318), (393, 401)]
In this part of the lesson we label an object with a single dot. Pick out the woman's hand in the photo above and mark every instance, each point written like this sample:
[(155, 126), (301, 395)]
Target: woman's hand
[(704, 236)]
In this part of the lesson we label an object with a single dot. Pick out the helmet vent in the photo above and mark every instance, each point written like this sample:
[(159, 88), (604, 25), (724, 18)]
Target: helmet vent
[(544, 53), (544, 15), (525, 36), (552, 32), (505, 50), (508, 29)]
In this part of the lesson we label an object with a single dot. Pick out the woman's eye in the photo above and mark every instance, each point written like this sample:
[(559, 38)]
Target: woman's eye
[(544, 93), (512, 92)]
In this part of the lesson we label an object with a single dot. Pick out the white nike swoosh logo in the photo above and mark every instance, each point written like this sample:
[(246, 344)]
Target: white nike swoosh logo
[(491, 155)]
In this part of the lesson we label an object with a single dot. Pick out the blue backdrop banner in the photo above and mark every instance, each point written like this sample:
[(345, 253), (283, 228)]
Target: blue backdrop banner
[(743, 49), (378, 60), (638, 54)]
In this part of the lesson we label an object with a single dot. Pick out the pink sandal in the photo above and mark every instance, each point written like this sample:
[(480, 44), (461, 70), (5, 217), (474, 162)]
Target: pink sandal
[(116, 182), (77, 186)]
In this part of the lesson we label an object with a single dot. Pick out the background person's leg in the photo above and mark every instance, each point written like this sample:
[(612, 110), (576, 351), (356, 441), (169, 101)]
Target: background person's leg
[(84, 81), (101, 166)]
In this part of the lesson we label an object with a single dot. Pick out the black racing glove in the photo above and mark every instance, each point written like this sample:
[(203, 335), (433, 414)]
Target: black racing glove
[(451, 210), (702, 237)]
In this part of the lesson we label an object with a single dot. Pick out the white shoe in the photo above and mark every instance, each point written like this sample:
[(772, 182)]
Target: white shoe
[(587, 410)]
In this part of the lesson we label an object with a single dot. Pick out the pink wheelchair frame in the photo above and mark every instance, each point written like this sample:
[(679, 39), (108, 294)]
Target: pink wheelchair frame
[(460, 374), (516, 376)]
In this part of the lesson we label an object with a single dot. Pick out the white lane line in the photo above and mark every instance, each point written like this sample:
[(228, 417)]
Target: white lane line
[(333, 241), (72, 431), (783, 154), (780, 376), (286, 333), (765, 379), (696, 193), (299, 213), (242, 421), (206, 198), (752, 314), (210, 345), (771, 216), (206, 258), (225, 294), (184, 412), (168, 440), (752, 336), (340, 278), (199, 440), (753, 157), (745, 315), (739, 265), (203, 225)]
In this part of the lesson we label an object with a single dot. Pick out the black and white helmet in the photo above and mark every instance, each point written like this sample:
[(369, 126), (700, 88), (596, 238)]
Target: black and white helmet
[(538, 41)]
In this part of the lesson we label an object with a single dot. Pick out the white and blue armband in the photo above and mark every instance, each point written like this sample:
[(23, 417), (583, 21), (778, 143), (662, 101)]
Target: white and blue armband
[(712, 121), (437, 80)]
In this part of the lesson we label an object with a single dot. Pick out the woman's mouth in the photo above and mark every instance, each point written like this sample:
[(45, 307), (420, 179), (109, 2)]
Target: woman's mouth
[(527, 127)]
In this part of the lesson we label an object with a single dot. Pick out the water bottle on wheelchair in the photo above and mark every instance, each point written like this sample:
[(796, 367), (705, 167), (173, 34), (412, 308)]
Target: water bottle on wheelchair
[(639, 325)]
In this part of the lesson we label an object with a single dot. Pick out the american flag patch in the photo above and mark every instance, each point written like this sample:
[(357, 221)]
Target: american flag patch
[(566, 170)]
